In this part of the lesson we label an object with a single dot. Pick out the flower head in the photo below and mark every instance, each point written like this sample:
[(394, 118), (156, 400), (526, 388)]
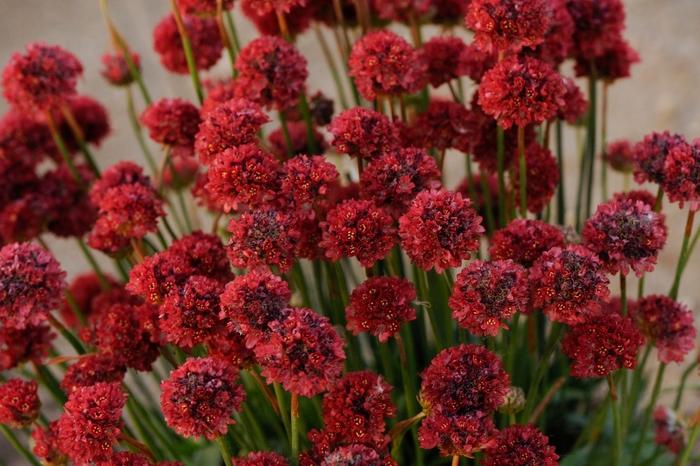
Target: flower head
[(474, 62), (682, 174), (558, 40), (92, 119), (356, 454), (299, 142), (443, 58), (282, 6), (597, 23), (443, 125), (115, 68), (307, 178), (173, 122), (364, 133), (524, 241), (620, 155), (71, 213), (575, 104), (19, 403), (46, 444), (298, 17), (204, 253), (202, 7), (650, 156), (261, 458), (613, 64), (462, 434), (25, 139), (668, 324), (92, 369), (204, 38), (31, 343), (668, 430), (400, 10), (521, 445)]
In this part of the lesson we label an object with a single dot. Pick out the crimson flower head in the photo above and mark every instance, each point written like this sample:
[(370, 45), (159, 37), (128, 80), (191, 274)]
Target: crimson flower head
[(304, 353), (202, 7), (668, 324), (200, 397), (121, 173), (682, 174), (31, 285), (361, 132), (501, 25), (575, 104), (204, 38), (380, 305), (620, 155), (261, 458), (272, 73), (443, 125), (524, 241), (91, 423), (25, 139), (487, 294), (30, 344), (92, 119), (474, 62), (400, 10), (558, 40), (442, 55), (626, 234), (84, 288), (383, 63), (282, 6), (597, 23), (600, 346), (358, 228), (393, 180), (440, 230), (42, 78), (641, 195), (521, 445), (115, 68), (521, 91), (298, 17), (19, 403), (613, 64), (70, 211), (173, 122), (92, 369), (542, 175), (307, 178), (568, 284), (650, 156), (668, 430), (205, 254), (355, 454), (46, 444)]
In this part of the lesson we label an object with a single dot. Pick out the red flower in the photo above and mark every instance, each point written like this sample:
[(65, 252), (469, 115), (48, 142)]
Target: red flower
[(298, 141), (228, 124), (205, 254), (650, 156), (383, 63), (92, 119), (202, 7), (501, 25), (356, 454), (115, 68), (558, 40), (400, 10), (31, 285), (620, 155), (442, 55), (358, 228), (380, 305), (83, 289), (462, 435), (173, 122), (542, 176), (474, 62), (521, 91), (597, 23), (119, 174), (641, 195), (261, 458), (204, 37), (46, 444), (440, 230), (229, 345), (200, 397), (682, 174), (30, 344), (613, 64), (487, 294), (444, 125), (600, 346), (282, 6), (298, 18), (364, 133), (19, 403), (568, 284), (524, 241), (668, 430), (575, 104), (157, 275), (25, 139), (91, 423), (307, 178), (272, 73), (521, 445), (181, 169), (71, 213), (667, 323), (91, 369), (304, 353), (218, 92), (41, 79)]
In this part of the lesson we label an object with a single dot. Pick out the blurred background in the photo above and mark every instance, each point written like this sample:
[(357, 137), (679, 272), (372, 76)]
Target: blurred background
[(663, 93)]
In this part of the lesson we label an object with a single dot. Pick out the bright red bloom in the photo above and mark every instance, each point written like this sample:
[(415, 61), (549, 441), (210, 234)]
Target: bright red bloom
[(400, 10), (200, 397), (524, 241), (474, 62), (521, 445), (298, 141), (231, 123), (626, 234), (92, 119), (205, 254), (542, 177), (283, 6), (393, 180), (358, 228), (261, 458), (115, 68), (380, 306), (620, 155), (42, 78), (204, 37), (355, 408), (442, 56), (31, 343), (650, 156), (230, 345), (309, 225), (597, 23), (600, 346), (272, 73), (202, 7), (121, 173), (444, 125), (568, 284), (364, 133), (613, 64), (501, 25), (521, 91), (307, 178), (668, 430), (19, 403), (383, 63), (463, 434), (575, 104), (641, 195), (668, 324), (304, 353), (558, 40), (46, 444), (181, 169), (25, 139), (173, 122), (91, 423), (217, 92), (682, 174), (298, 18), (91, 369), (487, 294), (440, 230), (31, 285)]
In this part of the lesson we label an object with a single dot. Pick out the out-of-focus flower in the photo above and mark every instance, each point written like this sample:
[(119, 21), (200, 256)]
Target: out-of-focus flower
[(501, 25), (668, 324), (204, 38)]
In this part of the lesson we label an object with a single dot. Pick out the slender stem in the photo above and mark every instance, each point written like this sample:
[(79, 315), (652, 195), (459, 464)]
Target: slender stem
[(67, 334), (136, 128), (63, 149), (21, 449), (306, 114), (488, 206), (604, 141), (189, 54), (224, 450), (591, 142), (224, 35), (285, 133), (455, 460), (522, 171), (331, 65), (294, 415), (408, 376), (554, 335), (623, 294), (681, 258), (647, 413), (617, 424), (561, 191), (79, 136), (500, 162), (235, 42), (690, 446), (101, 278), (546, 399), (681, 387), (282, 403)]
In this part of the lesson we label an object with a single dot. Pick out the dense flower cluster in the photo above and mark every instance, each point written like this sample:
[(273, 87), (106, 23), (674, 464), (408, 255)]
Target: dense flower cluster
[(521, 446), (19, 403), (524, 241), (363, 133), (508, 24), (173, 122), (204, 38), (668, 324)]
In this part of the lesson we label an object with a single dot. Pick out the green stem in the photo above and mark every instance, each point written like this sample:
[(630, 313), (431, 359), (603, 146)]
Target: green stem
[(331, 65), (63, 149), (285, 133), (282, 403), (306, 114), (21, 449), (647, 413), (294, 415), (422, 285), (488, 206), (522, 171), (690, 446), (681, 387), (101, 278), (408, 376), (617, 423), (500, 163), (673, 294), (561, 192), (80, 138), (136, 128), (67, 334), (591, 141), (189, 54), (224, 450), (235, 42), (604, 141), (554, 335)]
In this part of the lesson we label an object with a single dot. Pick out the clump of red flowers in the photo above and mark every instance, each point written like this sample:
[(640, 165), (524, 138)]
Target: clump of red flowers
[(364, 133), (173, 122), (668, 324), (668, 430), (115, 68), (204, 37), (19, 403), (202, 7), (521, 445), (442, 55), (307, 178), (261, 458), (524, 241), (501, 25), (650, 156), (92, 369), (682, 174), (620, 155)]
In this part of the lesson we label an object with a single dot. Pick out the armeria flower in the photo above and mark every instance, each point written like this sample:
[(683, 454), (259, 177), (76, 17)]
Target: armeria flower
[(521, 445), (400, 10), (524, 241), (393, 180), (205, 254), (650, 156), (598, 347), (173, 122), (558, 40), (668, 430), (575, 104), (448, 12), (521, 91), (307, 178), (636, 195), (19, 403), (204, 37), (282, 6), (121, 173), (115, 68), (358, 228), (364, 133), (626, 234), (261, 458), (25, 139), (443, 125), (230, 345), (272, 73), (202, 7), (92, 119), (31, 285), (620, 155), (91, 369), (668, 324), (488, 294), (380, 305), (502, 25), (71, 214), (83, 289), (475, 62), (383, 63), (613, 64), (568, 284), (231, 123), (322, 108), (218, 91), (42, 78), (542, 177), (265, 236), (443, 58), (682, 174), (129, 458), (356, 407), (461, 435), (309, 225), (181, 170), (200, 397), (440, 230), (30, 344), (304, 353), (91, 423), (157, 275), (597, 23), (298, 17), (298, 141), (356, 454), (46, 444)]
